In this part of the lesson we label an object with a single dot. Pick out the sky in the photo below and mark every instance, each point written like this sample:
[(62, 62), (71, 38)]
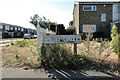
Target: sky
[(18, 12)]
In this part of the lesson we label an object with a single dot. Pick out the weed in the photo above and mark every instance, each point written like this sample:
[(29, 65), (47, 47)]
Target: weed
[(61, 57), (22, 43), (8, 61), (12, 43), (16, 54), (7, 45)]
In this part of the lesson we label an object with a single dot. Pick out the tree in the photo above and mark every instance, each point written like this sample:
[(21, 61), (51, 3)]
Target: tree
[(42, 21), (115, 40), (70, 30)]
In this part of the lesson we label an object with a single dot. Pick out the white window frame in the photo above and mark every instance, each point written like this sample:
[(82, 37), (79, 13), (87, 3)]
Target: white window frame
[(7, 27), (1, 26), (19, 29), (118, 8), (92, 8), (22, 29), (11, 28), (16, 28), (94, 25), (103, 17)]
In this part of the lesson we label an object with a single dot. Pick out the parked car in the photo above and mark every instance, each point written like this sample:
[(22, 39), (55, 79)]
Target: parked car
[(35, 36), (28, 36)]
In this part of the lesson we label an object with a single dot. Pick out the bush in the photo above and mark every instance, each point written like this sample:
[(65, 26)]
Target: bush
[(70, 30), (22, 43), (62, 58), (115, 43)]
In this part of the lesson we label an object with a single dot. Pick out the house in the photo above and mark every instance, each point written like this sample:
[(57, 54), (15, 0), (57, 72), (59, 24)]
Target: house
[(96, 17), (13, 31)]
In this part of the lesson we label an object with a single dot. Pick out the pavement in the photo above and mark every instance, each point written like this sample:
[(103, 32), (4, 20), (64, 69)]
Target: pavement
[(21, 73), (4, 42), (41, 73), (8, 40)]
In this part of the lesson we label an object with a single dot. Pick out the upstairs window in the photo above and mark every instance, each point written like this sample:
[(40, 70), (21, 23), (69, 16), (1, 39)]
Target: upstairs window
[(118, 8), (1, 26), (89, 8), (15, 28), (7, 27), (19, 29), (103, 17), (22, 29), (11, 28)]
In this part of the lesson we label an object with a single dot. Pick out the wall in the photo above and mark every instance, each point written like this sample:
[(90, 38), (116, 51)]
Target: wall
[(116, 14), (94, 17), (76, 17)]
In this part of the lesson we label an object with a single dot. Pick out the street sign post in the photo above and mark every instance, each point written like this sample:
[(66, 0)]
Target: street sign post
[(61, 39), (42, 37)]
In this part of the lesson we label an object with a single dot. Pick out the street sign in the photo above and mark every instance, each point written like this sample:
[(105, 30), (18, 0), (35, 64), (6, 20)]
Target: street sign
[(61, 39)]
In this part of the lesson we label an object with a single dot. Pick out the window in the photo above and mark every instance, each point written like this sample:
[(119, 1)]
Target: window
[(7, 27), (11, 28), (89, 8), (22, 29), (15, 28), (118, 8), (103, 17), (89, 28), (1, 26), (18, 28)]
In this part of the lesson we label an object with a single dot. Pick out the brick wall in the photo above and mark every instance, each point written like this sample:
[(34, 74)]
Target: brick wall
[(94, 17)]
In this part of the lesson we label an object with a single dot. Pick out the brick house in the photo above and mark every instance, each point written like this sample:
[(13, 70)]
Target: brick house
[(96, 17), (13, 31)]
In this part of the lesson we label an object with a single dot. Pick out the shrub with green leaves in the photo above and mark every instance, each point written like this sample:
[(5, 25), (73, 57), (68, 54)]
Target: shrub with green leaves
[(61, 57), (22, 43), (115, 43)]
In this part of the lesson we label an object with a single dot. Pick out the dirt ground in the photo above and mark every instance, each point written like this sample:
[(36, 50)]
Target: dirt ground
[(16, 56), (106, 54)]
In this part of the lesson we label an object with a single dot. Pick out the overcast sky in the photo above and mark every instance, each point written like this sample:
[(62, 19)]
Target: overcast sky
[(18, 12)]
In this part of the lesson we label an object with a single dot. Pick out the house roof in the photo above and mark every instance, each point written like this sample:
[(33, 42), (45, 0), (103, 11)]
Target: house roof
[(96, 2), (14, 25), (10, 25)]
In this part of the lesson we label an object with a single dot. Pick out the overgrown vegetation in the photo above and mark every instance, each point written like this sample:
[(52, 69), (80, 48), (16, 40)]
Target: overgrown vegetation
[(70, 30), (100, 52), (115, 43), (22, 43), (61, 57), (22, 53)]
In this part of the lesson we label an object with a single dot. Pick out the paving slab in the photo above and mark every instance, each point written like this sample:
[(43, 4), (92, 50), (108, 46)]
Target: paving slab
[(38, 74)]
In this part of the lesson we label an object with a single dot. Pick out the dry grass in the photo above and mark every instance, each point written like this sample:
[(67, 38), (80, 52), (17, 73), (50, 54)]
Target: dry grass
[(106, 54), (16, 56)]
